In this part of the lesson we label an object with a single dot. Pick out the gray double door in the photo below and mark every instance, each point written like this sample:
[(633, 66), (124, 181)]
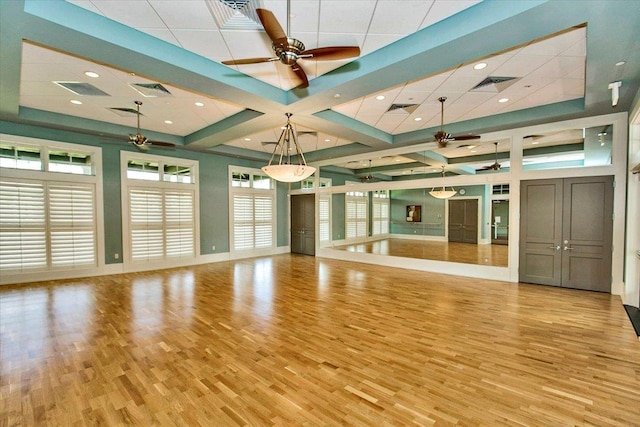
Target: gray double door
[(303, 216), (463, 221), (566, 228)]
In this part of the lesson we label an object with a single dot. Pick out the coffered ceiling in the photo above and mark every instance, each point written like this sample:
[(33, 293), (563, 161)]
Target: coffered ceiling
[(544, 61)]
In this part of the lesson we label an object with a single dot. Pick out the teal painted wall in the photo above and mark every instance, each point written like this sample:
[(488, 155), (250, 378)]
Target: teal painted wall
[(213, 187)]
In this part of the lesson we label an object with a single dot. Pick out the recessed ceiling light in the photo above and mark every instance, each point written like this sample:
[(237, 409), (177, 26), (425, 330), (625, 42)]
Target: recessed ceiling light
[(480, 66), (620, 63), (503, 100), (535, 143), (327, 140), (169, 122), (75, 101), (474, 151), (417, 119), (380, 97), (92, 74), (247, 139), (199, 104), (337, 95)]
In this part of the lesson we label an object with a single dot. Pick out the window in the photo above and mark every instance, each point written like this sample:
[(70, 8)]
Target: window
[(161, 207), (19, 157), (356, 214), (252, 204), (48, 218), (309, 184), (380, 214)]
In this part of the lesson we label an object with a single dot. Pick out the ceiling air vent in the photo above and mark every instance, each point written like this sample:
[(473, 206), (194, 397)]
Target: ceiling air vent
[(82, 89), (403, 108), (151, 90), (494, 84), (234, 14), (124, 111), (307, 132)]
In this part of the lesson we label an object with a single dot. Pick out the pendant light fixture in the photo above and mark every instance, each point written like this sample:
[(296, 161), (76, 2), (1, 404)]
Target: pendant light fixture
[(443, 193), (284, 152)]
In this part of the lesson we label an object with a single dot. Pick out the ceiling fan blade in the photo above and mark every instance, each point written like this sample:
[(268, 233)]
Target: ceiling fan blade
[(331, 53), (271, 25), (264, 143), (162, 144), (465, 137), (301, 75), (248, 61)]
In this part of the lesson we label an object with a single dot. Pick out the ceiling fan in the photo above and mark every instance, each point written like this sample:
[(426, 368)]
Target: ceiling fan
[(288, 50), (495, 166), (141, 141), (369, 177), (443, 137)]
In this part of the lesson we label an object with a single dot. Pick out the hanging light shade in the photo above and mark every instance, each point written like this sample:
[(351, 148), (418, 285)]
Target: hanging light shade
[(442, 193), (286, 149)]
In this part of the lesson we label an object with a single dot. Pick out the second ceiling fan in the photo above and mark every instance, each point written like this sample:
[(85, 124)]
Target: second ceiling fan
[(443, 137), (288, 50)]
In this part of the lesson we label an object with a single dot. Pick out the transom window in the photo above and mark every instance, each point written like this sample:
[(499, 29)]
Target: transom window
[(45, 158)]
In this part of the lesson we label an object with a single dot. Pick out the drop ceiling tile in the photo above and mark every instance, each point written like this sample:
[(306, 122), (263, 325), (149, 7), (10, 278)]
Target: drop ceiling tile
[(555, 45), (247, 44), (86, 4), (185, 14), (559, 67), (130, 13), (521, 65), (411, 97), (209, 44), (349, 109), (429, 84), (398, 18), (336, 16), (305, 17)]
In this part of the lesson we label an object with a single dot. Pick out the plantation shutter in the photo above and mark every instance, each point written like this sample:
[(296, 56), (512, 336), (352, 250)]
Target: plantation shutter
[(179, 223), (252, 221), (324, 205), (242, 221), (23, 241), (72, 224), (145, 207), (356, 211), (263, 221)]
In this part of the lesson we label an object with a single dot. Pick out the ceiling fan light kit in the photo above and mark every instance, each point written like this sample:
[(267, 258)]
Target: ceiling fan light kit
[(284, 170)]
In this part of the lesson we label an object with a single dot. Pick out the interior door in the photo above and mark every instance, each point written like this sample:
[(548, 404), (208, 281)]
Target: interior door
[(587, 233), (541, 232), (303, 238), (463, 221), (566, 228)]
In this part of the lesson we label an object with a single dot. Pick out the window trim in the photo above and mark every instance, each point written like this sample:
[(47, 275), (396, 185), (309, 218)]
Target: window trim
[(233, 191), (45, 176), (131, 183)]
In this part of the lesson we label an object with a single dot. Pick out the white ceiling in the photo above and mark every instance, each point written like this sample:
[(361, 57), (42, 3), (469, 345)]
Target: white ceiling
[(143, 41)]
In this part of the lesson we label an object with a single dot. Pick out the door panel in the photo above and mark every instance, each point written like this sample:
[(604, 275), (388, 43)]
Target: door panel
[(588, 211), (566, 232), (541, 232), (303, 238), (470, 223)]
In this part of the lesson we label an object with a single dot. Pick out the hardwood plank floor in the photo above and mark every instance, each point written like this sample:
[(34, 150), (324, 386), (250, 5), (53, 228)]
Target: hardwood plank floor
[(296, 340), (467, 253)]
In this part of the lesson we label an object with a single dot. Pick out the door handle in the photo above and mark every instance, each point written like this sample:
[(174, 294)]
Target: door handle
[(567, 248), (557, 248)]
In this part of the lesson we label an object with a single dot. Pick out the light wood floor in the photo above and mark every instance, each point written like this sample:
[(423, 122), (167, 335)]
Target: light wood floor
[(295, 340), (494, 255)]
